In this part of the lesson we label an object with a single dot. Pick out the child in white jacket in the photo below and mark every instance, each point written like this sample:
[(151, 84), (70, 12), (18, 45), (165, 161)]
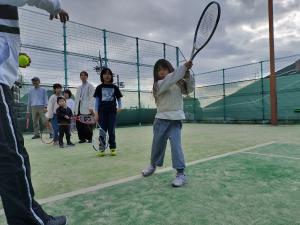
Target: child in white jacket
[(168, 87)]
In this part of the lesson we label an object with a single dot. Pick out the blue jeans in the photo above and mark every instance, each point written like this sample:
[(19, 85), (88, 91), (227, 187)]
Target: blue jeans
[(164, 130), (55, 127)]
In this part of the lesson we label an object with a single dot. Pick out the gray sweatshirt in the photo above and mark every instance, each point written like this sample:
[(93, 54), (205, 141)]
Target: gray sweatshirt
[(169, 99)]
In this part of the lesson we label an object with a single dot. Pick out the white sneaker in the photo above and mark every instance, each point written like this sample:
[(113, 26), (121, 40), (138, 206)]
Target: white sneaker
[(148, 171), (180, 180)]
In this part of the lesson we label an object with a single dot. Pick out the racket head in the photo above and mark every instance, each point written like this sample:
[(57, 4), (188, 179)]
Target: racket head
[(206, 27), (47, 134), (73, 127), (100, 139)]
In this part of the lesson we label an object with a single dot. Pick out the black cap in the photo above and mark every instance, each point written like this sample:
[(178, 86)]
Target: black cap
[(35, 78)]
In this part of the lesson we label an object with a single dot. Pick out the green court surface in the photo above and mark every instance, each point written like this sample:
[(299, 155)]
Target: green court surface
[(259, 187)]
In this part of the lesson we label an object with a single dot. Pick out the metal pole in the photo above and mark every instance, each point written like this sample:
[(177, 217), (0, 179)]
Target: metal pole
[(177, 56), (194, 105), (105, 47), (262, 91), (138, 78), (224, 96), (118, 80), (164, 44), (273, 94), (65, 55)]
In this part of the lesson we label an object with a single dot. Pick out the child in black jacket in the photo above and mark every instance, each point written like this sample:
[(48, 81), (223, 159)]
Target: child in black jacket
[(64, 115)]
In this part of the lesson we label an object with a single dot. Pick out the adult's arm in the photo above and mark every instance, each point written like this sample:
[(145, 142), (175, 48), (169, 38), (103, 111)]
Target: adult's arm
[(51, 6)]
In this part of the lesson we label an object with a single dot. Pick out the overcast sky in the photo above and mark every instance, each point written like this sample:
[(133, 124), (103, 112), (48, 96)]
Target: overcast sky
[(242, 35)]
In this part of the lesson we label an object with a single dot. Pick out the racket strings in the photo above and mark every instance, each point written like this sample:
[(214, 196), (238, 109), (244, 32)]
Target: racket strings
[(207, 25), (100, 140), (47, 135), (103, 140)]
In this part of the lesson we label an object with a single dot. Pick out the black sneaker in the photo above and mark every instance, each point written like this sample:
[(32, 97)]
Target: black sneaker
[(81, 141), (58, 220), (36, 137), (71, 144), (90, 141), (61, 145)]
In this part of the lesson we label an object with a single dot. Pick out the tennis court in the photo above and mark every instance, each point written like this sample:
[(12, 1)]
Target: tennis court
[(238, 174)]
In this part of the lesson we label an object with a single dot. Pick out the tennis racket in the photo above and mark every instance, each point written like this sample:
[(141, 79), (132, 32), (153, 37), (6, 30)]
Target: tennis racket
[(86, 119), (27, 120), (100, 139), (47, 134), (206, 27), (73, 127)]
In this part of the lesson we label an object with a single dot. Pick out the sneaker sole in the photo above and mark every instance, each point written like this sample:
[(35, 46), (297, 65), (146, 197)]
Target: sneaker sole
[(147, 175), (176, 186), (101, 155)]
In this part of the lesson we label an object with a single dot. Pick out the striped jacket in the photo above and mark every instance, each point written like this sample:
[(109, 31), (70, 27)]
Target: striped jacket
[(9, 12), (10, 34)]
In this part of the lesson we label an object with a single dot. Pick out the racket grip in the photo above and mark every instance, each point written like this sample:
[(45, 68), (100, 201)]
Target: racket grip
[(27, 120), (27, 123), (192, 57)]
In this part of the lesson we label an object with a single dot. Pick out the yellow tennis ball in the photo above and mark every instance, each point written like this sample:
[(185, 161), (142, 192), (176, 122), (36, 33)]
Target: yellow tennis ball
[(24, 61)]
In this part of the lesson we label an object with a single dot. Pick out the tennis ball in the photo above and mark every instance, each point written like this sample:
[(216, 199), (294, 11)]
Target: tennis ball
[(24, 61)]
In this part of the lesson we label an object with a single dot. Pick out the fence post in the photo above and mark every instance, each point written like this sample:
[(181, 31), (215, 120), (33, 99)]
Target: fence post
[(138, 79), (194, 105), (105, 47), (262, 91), (164, 45), (65, 55), (224, 96), (177, 56)]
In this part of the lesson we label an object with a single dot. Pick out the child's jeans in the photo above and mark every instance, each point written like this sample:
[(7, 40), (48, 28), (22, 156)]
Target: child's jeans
[(162, 131), (107, 121), (64, 129), (55, 127)]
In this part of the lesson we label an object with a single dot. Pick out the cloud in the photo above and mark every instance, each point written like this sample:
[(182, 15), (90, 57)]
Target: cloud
[(242, 35)]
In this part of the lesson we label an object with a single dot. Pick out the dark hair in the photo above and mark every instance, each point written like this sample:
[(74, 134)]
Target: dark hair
[(68, 91), (59, 98), (55, 86), (84, 72), (161, 63), (104, 71)]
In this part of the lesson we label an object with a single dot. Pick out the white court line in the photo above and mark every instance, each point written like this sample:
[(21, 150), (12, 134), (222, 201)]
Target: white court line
[(127, 179), (272, 155)]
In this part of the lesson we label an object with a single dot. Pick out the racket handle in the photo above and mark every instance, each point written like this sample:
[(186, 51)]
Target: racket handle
[(192, 55), (27, 123), (27, 120)]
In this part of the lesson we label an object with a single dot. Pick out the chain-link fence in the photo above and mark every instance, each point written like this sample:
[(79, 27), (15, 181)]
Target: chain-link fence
[(238, 94), (60, 52), (242, 93)]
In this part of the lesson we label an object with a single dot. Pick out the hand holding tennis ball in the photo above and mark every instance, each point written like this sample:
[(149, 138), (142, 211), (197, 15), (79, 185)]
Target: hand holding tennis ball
[(24, 60)]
